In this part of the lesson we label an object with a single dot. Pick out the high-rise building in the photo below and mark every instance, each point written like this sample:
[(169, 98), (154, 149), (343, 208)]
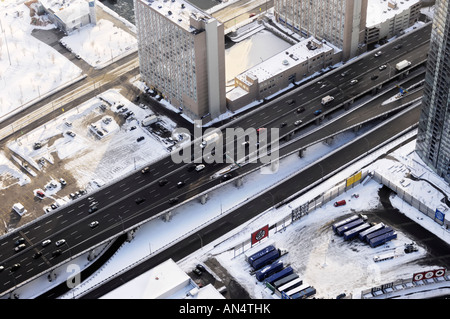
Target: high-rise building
[(340, 22), (182, 55), (433, 136)]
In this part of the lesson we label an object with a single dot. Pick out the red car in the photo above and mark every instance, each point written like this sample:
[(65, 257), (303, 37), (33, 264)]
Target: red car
[(340, 203), (40, 194), (251, 15)]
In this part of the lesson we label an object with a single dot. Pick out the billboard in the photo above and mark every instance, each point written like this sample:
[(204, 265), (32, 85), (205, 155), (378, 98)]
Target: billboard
[(439, 217), (353, 179), (429, 274), (260, 234)]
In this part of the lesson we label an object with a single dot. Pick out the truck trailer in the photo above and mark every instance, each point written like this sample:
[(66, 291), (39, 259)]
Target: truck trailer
[(379, 240), (402, 65), (305, 293), (343, 222), (280, 274), (378, 233), (269, 270), (341, 230), (260, 253), (352, 233), (265, 259), (285, 280), (290, 285), (362, 235)]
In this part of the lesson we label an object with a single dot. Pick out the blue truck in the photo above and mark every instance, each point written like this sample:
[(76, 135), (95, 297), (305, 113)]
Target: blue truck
[(379, 240), (352, 233), (341, 230), (305, 293), (380, 232), (269, 270), (362, 235), (280, 274), (260, 253)]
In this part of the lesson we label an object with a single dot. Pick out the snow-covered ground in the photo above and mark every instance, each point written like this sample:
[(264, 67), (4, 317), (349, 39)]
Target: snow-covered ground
[(30, 69)]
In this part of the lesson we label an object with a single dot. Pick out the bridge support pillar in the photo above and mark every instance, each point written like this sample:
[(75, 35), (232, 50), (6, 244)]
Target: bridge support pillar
[(203, 198), (301, 153), (238, 182), (374, 90), (274, 165), (329, 140), (130, 235), (356, 128), (167, 216), (51, 276), (91, 255)]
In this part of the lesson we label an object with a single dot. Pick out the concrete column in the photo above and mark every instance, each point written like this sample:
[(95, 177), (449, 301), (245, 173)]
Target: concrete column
[(329, 140), (238, 182), (130, 235), (203, 198), (301, 153), (274, 165), (91, 255), (51, 276)]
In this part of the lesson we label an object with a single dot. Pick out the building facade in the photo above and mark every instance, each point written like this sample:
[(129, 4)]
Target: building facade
[(433, 136), (389, 18), (340, 22), (182, 56)]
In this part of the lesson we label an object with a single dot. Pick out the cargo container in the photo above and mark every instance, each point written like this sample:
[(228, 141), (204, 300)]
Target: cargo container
[(266, 259), (341, 230), (305, 293), (285, 280), (352, 233), (293, 291), (343, 222), (290, 285), (362, 235), (269, 270), (379, 240), (278, 275), (378, 233), (260, 253)]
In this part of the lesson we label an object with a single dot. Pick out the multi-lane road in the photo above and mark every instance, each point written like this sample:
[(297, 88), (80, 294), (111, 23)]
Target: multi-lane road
[(117, 207)]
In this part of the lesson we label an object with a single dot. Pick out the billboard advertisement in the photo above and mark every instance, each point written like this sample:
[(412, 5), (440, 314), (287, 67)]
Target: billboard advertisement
[(429, 274), (260, 234)]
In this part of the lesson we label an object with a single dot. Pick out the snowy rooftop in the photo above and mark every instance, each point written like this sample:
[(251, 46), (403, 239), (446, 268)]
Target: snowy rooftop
[(294, 55), (379, 11), (177, 11), (67, 10)]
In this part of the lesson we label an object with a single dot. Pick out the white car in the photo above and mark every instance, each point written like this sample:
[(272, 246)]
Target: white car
[(60, 242), (378, 54), (93, 224), (46, 242), (198, 168)]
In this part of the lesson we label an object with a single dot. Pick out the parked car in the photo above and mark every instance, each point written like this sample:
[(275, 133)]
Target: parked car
[(62, 182), (339, 203), (140, 138), (40, 194)]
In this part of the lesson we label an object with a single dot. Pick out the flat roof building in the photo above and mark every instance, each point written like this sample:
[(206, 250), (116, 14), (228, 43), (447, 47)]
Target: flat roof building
[(182, 55), (340, 22)]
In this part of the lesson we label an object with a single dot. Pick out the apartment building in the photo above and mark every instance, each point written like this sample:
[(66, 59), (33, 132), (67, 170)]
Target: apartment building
[(433, 136), (340, 22), (182, 56)]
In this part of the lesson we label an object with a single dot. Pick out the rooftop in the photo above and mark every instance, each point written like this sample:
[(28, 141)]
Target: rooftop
[(67, 10), (379, 11)]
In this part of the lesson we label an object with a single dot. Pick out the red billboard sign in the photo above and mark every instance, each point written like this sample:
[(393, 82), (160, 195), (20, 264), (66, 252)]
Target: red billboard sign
[(260, 234), (429, 274)]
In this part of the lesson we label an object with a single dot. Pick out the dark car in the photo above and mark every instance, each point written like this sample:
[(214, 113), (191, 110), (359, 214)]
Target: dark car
[(283, 124), (398, 46), (197, 271), (92, 209), (56, 253), (15, 267), (19, 241), (139, 200), (19, 248), (226, 177), (200, 267), (140, 138), (374, 77), (163, 182), (300, 109), (37, 255), (191, 167), (173, 200), (317, 112)]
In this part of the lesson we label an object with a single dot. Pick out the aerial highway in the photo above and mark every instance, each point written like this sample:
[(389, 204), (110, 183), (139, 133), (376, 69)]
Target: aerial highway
[(139, 197)]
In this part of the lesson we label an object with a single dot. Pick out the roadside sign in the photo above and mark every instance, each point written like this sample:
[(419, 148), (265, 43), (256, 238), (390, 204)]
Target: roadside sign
[(260, 234), (439, 216), (429, 274)]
